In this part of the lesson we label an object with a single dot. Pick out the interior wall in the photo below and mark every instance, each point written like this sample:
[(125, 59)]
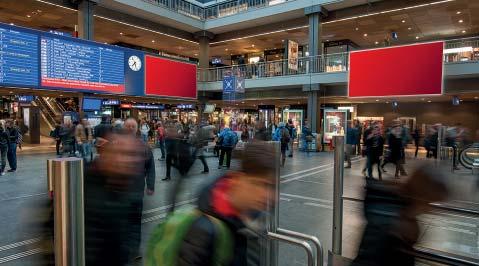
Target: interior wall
[(467, 114)]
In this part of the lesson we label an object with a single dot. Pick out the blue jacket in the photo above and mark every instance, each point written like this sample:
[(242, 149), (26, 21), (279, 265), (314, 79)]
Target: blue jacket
[(352, 136), (277, 134), (229, 138)]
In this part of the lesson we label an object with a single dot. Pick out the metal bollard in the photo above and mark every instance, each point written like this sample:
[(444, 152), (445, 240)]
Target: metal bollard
[(338, 194), (50, 177), (68, 201), (293, 241)]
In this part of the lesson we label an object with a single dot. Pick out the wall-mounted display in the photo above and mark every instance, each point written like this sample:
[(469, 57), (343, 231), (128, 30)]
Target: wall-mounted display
[(335, 124)]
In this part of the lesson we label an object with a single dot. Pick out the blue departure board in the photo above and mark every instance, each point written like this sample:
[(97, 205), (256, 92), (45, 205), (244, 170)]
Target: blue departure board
[(79, 65), (18, 58)]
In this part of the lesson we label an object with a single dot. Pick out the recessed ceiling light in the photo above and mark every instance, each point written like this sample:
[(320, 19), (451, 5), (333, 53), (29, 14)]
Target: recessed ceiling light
[(476, 97), (409, 28), (463, 31), (28, 16), (327, 40), (387, 102), (365, 35), (11, 92), (196, 54), (422, 99), (226, 49), (377, 100), (461, 21), (403, 21), (39, 11), (242, 102), (417, 37), (429, 101), (152, 41), (252, 45), (61, 95), (357, 28), (12, 24), (121, 33), (461, 100), (376, 42), (458, 12)]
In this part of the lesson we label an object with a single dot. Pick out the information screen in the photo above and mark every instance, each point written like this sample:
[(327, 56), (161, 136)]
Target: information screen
[(18, 58), (77, 65)]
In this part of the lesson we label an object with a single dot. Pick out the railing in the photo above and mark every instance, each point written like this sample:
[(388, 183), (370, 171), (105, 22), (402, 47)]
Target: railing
[(219, 10), (322, 64)]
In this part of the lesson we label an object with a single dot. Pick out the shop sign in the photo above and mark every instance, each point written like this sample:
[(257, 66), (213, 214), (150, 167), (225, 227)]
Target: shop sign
[(185, 106), (229, 84), (125, 105), (147, 106), (293, 53), (25, 98), (110, 102)]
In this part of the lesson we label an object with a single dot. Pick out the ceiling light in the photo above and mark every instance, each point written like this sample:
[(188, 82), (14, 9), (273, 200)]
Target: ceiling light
[(226, 49), (387, 102), (422, 99), (12, 24), (377, 100), (403, 21), (11, 92), (476, 97), (282, 40), (327, 40), (357, 28), (61, 95), (196, 54), (152, 41), (365, 35), (121, 33), (429, 101), (461, 21), (39, 11), (417, 37), (463, 31), (376, 42), (409, 28), (48, 3), (458, 12), (252, 45), (28, 16)]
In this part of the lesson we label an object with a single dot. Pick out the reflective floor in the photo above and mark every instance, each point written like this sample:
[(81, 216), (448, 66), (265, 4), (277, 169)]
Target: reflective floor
[(305, 206)]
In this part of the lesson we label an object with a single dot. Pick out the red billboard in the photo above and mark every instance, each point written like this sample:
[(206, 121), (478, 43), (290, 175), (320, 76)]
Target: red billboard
[(169, 78), (397, 71)]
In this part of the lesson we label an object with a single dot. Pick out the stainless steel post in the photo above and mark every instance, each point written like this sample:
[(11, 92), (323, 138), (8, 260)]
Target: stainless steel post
[(297, 242), (68, 200), (50, 177), (338, 194), (274, 206), (313, 239)]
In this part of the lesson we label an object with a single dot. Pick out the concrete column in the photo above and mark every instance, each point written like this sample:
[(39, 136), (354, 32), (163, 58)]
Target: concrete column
[(204, 38), (86, 19), (313, 112), (204, 54), (314, 14)]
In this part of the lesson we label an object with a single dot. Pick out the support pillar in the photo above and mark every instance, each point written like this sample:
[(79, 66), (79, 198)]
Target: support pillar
[(312, 112), (86, 19), (204, 38), (315, 14)]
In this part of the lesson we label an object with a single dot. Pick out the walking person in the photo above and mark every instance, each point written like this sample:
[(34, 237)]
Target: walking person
[(161, 140), (396, 146), (292, 135), (144, 130), (351, 142), (13, 134), (55, 134), (228, 140), (374, 150), (67, 136), (84, 137), (416, 136), (282, 135), (360, 132), (308, 138), (3, 146)]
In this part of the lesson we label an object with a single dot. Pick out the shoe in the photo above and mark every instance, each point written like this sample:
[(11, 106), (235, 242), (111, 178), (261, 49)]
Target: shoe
[(205, 172), (166, 179), (384, 170), (12, 170), (290, 156), (2, 173), (219, 167)]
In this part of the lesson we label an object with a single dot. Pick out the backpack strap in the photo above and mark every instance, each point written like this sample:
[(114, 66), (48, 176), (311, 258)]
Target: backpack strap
[(223, 252)]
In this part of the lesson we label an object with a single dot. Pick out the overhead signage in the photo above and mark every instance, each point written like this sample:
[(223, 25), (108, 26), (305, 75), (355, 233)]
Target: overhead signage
[(111, 102), (168, 78), (75, 65), (397, 71), (18, 58), (229, 84), (293, 54)]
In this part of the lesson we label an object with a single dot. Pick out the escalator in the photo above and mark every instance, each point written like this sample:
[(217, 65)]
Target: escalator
[(51, 111), (468, 155)]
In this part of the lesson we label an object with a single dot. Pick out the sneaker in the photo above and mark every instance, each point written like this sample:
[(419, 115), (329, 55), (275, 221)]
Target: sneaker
[(205, 172), (166, 179), (2, 173), (219, 167)]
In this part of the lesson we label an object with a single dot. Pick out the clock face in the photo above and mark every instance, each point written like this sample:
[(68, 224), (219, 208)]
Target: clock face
[(134, 62)]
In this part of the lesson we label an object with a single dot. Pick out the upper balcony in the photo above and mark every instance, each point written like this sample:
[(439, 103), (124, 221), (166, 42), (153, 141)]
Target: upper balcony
[(461, 59)]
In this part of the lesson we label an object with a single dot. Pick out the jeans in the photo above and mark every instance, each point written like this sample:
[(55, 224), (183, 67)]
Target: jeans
[(12, 155), (349, 150), (3, 152), (370, 163), (205, 164), (86, 151), (227, 151), (162, 148), (144, 137), (290, 148)]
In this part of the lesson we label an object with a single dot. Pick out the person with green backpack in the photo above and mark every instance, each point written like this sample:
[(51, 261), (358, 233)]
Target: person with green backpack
[(214, 233)]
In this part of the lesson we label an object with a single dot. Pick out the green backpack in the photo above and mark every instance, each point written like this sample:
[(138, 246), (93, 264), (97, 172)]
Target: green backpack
[(164, 245)]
